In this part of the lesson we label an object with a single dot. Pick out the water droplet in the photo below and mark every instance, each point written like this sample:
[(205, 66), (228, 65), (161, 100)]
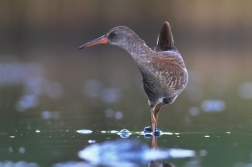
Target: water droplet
[(113, 131), (84, 131), (167, 133), (91, 141), (124, 133)]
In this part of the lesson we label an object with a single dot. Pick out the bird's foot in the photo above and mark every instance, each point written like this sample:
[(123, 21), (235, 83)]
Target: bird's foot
[(147, 130)]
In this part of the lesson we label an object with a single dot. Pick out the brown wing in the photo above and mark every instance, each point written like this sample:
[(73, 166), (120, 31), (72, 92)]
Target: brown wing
[(172, 72)]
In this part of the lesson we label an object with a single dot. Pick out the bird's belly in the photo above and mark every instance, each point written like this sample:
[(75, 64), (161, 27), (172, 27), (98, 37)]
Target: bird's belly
[(163, 84)]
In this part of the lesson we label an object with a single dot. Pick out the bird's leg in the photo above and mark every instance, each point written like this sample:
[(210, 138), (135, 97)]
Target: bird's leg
[(153, 121), (154, 116), (156, 112)]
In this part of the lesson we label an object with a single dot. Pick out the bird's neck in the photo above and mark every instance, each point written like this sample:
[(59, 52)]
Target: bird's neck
[(138, 48)]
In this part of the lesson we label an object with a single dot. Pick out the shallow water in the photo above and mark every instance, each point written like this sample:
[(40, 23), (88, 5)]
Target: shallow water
[(52, 142), (49, 113), (45, 122)]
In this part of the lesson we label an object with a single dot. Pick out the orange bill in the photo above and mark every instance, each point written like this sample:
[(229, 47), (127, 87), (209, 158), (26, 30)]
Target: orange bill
[(100, 40)]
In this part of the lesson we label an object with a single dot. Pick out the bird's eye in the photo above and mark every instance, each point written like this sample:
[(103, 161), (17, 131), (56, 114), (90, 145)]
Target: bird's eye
[(112, 35)]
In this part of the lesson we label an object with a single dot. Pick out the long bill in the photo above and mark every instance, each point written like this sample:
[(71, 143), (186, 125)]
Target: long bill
[(100, 40)]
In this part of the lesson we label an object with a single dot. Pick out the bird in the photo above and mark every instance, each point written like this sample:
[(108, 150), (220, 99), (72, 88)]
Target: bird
[(164, 74)]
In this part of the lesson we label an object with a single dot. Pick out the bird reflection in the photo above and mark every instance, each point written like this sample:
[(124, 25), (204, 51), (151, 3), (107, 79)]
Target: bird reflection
[(158, 162), (126, 152)]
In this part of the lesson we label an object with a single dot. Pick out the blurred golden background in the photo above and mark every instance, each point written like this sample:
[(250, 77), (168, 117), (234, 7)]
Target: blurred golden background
[(43, 72)]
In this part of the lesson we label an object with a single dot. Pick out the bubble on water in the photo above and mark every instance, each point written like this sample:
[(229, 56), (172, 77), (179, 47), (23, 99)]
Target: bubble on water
[(110, 95), (92, 88), (213, 105), (245, 90), (124, 133), (37, 131), (118, 115)]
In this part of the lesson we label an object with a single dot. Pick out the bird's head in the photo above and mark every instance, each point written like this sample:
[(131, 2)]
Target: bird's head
[(120, 36)]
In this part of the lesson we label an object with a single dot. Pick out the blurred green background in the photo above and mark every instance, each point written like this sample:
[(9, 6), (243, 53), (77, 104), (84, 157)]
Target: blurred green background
[(46, 82), (40, 62)]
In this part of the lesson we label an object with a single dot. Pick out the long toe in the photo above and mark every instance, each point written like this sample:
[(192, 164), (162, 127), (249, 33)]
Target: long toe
[(157, 133), (148, 129)]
